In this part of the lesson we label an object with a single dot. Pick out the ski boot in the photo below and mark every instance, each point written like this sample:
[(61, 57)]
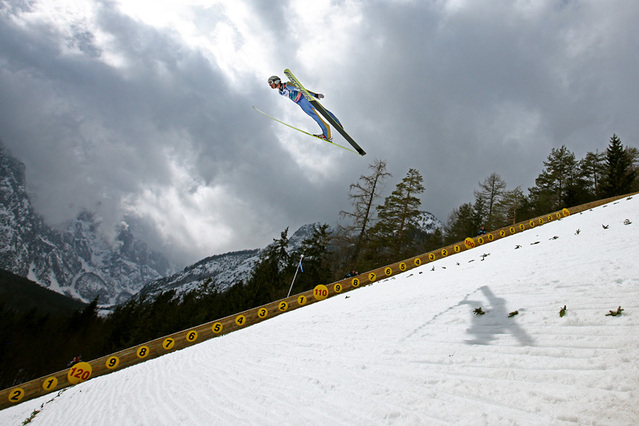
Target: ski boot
[(321, 136)]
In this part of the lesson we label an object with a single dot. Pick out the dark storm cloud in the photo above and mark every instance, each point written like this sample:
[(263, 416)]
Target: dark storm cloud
[(455, 92), (493, 87), (84, 113), (92, 134)]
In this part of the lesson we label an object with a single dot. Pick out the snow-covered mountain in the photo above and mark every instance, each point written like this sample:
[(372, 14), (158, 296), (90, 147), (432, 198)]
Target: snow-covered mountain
[(428, 223), (215, 273), (76, 259), (219, 272)]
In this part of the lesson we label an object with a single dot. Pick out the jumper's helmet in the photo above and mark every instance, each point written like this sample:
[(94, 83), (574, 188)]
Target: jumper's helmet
[(273, 79)]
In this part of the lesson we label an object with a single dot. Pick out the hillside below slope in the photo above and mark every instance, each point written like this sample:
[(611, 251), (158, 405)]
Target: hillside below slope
[(411, 350)]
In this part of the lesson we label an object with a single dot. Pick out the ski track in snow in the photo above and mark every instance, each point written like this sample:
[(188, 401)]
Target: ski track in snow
[(408, 350)]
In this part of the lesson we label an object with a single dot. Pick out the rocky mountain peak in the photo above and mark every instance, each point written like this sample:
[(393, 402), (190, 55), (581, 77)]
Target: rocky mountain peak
[(75, 259)]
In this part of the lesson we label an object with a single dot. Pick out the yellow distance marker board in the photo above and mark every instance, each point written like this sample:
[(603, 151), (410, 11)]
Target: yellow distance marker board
[(16, 395), (50, 383), (469, 243), (168, 343), (320, 292), (112, 362), (79, 373)]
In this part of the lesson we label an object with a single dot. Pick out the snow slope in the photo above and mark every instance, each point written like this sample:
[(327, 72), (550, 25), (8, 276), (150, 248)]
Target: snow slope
[(409, 350)]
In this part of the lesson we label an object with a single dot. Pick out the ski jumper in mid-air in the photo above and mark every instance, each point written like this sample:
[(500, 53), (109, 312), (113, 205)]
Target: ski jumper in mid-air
[(293, 93)]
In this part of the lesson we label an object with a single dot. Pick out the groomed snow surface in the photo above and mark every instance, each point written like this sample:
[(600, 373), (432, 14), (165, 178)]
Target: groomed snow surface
[(409, 350)]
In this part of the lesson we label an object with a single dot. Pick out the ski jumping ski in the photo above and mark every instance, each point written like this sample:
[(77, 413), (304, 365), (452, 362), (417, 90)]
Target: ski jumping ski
[(303, 131), (323, 111)]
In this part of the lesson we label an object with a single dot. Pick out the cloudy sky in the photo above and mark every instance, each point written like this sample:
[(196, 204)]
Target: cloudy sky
[(142, 108)]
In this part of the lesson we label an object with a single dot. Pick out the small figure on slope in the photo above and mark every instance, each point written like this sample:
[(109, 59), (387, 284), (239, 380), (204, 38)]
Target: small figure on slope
[(293, 93), (352, 273)]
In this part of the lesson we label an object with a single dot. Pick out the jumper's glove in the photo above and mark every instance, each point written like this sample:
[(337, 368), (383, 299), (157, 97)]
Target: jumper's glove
[(319, 96)]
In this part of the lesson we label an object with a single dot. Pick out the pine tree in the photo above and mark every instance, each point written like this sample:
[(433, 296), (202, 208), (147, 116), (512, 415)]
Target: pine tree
[(316, 268), (633, 154), (398, 215), (490, 193), (620, 175), (510, 207), (462, 223), (593, 167), (554, 183), (267, 278), (363, 195)]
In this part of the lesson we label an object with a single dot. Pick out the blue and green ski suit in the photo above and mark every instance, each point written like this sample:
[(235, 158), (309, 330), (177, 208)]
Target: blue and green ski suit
[(293, 93)]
